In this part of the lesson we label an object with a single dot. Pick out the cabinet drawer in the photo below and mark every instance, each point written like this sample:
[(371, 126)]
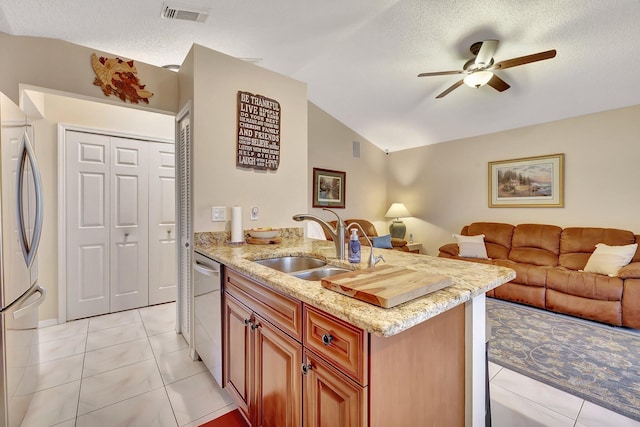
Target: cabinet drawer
[(340, 343), (281, 310)]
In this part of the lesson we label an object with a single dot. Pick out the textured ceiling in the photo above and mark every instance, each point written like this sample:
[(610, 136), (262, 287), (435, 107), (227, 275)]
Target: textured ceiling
[(360, 58)]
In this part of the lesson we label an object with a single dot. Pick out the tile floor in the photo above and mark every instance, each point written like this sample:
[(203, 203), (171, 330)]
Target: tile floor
[(121, 369), (132, 369)]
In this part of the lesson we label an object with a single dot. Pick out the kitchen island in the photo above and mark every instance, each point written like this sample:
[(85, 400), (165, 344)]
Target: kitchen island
[(422, 361)]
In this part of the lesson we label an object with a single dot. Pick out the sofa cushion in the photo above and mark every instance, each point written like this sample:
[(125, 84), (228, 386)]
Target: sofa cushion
[(497, 237), (471, 246), (586, 285), (536, 244), (526, 274), (610, 259), (577, 243), (383, 242)]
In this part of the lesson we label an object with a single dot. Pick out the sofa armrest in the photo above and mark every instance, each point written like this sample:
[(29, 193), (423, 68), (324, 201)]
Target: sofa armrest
[(398, 243), (630, 271), (450, 249)]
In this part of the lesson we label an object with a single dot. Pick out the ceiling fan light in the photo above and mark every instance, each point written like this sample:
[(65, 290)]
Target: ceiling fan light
[(478, 78)]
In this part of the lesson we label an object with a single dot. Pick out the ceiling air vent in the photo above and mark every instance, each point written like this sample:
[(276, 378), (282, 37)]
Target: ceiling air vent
[(185, 13)]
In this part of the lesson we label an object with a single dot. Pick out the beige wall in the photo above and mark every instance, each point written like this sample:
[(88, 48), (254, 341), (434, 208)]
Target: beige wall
[(66, 67), (216, 179), (331, 147), (64, 110), (445, 185)]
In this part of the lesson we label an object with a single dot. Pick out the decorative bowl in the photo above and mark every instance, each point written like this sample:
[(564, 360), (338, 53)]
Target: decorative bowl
[(264, 233)]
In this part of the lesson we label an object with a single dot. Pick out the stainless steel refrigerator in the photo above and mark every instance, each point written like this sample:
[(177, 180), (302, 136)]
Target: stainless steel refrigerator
[(21, 215)]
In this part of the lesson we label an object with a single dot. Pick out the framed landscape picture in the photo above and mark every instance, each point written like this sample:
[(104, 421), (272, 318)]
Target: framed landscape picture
[(328, 188), (527, 182)]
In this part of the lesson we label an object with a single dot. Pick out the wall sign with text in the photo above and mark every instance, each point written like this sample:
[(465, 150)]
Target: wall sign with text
[(258, 132)]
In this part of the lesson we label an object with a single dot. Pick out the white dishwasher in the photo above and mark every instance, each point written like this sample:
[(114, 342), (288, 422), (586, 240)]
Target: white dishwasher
[(207, 314)]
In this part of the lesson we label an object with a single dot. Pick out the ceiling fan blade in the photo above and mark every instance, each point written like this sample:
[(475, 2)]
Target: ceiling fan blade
[(514, 62), (441, 73), (487, 50), (498, 84), (451, 88)]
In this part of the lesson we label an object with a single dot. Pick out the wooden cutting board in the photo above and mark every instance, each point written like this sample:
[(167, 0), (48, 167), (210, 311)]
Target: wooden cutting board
[(257, 241), (387, 285)]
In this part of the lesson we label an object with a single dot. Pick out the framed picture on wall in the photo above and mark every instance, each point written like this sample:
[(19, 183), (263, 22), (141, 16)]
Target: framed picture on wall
[(530, 182), (328, 188)]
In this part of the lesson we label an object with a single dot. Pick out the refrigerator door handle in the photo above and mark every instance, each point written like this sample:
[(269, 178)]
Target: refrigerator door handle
[(21, 311), (29, 248), (35, 289)]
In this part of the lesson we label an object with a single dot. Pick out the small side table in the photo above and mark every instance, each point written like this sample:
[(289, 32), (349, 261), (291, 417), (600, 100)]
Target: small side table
[(415, 247)]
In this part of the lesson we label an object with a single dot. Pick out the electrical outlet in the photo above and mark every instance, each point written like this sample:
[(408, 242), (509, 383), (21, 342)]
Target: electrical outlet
[(254, 213), (218, 213)]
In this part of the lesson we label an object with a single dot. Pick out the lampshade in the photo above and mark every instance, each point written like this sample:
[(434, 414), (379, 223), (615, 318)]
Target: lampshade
[(478, 78), (397, 210)]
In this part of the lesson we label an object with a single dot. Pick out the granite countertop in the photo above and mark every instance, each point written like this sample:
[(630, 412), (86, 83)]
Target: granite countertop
[(469, 279)]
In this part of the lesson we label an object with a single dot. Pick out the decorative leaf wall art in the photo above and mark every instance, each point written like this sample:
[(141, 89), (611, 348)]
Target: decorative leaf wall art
[(118, 77)]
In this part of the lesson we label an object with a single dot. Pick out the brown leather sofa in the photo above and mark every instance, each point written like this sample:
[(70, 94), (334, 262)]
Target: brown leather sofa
[(549, 260), (370, 231)]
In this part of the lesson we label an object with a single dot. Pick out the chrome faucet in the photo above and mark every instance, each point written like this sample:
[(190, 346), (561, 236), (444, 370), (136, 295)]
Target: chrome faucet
[(373, 260), (336, 234)]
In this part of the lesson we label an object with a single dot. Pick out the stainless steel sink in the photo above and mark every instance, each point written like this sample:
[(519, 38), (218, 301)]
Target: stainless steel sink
[(320, 273), (302, 267), (291, 264)]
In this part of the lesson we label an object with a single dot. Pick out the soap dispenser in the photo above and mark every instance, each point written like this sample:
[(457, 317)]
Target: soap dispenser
[(354, 247)]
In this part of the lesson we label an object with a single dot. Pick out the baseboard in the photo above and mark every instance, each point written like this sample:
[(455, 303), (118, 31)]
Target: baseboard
[(47, 322)]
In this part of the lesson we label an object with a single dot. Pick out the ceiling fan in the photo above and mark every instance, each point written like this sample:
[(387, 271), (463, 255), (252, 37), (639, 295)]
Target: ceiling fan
[(480, 70)]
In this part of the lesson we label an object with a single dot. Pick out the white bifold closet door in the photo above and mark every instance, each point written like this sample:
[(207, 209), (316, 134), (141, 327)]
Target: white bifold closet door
[(108, 194), (162, 223), (129, 245)]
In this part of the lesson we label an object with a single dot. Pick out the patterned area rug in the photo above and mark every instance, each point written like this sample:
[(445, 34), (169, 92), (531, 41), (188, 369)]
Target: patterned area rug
[(596, 362)]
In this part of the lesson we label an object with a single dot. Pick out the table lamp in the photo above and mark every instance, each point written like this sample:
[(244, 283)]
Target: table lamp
[(397, 228)]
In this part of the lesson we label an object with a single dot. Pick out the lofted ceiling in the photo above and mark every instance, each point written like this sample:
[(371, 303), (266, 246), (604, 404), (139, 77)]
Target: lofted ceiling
[(361, 58)]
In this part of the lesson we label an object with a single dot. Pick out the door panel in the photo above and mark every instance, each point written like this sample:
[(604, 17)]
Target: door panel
[(238, 348), (87, 207), (162, 227), (330, 398), (129, 235), (278, 359)]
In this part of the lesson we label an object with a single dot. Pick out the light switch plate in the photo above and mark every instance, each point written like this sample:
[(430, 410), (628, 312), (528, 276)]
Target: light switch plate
[(254, 213), (218, 213)]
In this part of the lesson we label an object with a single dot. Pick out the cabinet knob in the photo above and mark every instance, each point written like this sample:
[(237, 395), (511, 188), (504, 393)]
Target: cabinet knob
[(306, 369), (254, 326), (326, 339), (247, 322)]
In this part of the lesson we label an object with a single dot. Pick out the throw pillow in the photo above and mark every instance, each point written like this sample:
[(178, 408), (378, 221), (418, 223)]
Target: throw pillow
[(610, 259), (471, 246), (383, 242)]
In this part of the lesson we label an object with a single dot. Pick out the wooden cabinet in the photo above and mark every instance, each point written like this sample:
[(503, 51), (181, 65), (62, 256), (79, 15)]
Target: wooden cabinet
[(330, 397), (278, 388), (351, 378), (237, 345), (262, 363)]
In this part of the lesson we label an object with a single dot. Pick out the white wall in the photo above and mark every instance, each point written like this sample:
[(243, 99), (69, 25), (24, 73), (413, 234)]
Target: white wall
[(445, 186), (331, 147), (216, 180)]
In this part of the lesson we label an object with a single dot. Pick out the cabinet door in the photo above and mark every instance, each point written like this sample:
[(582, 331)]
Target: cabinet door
[(237, 344), (330, 398), (278, 386)]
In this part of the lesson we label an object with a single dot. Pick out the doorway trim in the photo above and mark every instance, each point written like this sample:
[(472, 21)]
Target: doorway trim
[(62, 197)]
